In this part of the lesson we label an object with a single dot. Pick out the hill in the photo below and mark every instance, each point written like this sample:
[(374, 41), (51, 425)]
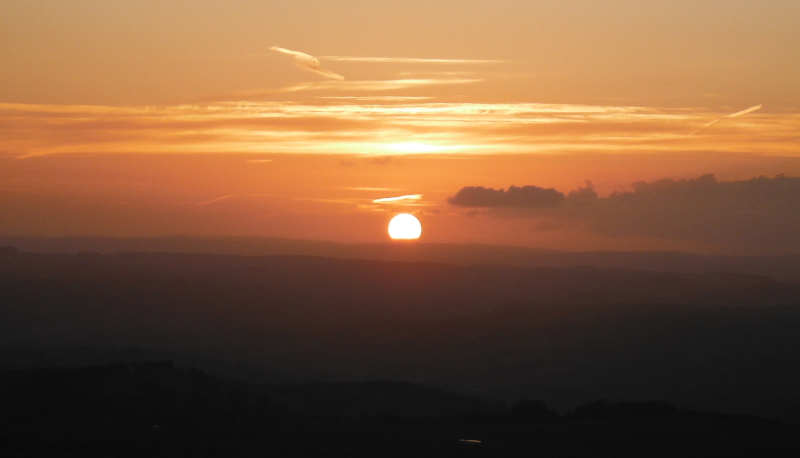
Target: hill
[(723, 342), (786, 267)]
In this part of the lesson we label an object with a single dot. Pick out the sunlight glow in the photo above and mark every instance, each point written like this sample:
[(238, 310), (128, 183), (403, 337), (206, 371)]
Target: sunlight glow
[(405, 226), (28, 130), (417, 147)]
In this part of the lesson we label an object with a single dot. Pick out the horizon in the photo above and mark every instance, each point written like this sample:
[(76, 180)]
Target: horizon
[(777, 267), (387, 243)]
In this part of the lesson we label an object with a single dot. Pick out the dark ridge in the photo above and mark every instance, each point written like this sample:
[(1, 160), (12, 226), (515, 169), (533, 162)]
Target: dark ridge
[(8, 251), (724, 342), (159, 409), (777, 267)]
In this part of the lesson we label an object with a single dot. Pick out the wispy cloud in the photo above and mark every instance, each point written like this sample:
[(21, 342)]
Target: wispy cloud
[(368, 128), (397, 199), (733, 115), (340, 86), (308, 62), (408, 60), (216, 200), (399, 98), (381, 85), (744, 112), (368, 188)]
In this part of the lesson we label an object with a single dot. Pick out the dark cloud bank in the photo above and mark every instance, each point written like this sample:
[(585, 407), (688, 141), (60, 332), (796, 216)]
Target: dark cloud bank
[(524, 197), (757, 212)]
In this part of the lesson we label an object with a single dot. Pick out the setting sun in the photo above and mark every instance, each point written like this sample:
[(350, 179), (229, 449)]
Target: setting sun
[(405, 227)]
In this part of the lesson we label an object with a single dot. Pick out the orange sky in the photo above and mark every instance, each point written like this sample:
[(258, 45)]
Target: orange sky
[(291, 119)]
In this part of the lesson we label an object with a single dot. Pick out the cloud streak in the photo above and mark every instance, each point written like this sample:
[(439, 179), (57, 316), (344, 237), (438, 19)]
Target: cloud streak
[(341, 86), (733, 115), (368, 128), (408, 60), (385, 200), (308, 62)]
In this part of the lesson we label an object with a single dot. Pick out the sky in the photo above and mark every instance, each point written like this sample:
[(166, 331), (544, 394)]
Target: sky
[(576, 125)]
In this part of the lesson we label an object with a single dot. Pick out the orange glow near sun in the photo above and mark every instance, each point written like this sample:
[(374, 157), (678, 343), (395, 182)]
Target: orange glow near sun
[(417, 147)]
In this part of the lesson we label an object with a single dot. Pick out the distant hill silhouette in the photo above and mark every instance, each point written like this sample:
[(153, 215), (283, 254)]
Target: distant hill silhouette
[(155, 408), (159, 391), (724, 342), (776, 267)]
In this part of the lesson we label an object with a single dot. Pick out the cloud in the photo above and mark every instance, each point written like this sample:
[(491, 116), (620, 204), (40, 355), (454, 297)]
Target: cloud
[(759, 212), (390, 98), (745, 111), (408, 60), (368, 188), (515, 197), (341, 86), (732, 115), (366, 127), (218, 199), (308, 62), (397, 199), (381, 85)]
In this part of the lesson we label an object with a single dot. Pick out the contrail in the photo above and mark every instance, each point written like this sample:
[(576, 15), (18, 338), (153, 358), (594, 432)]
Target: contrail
[(739, 113), (407, 60), (733, 115), (308, 62)]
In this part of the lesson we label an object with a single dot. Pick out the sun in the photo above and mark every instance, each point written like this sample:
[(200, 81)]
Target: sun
[(405, 227)]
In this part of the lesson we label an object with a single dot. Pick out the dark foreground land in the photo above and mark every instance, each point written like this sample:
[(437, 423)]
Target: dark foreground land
[(156, 409), (303, 333)]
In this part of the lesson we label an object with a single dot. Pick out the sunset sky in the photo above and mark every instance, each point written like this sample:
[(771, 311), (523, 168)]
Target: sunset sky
[(621, 125)]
